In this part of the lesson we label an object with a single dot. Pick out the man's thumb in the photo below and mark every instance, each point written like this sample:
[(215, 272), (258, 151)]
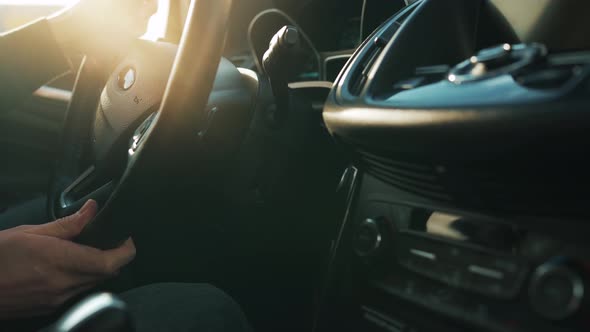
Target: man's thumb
[(69, 227)]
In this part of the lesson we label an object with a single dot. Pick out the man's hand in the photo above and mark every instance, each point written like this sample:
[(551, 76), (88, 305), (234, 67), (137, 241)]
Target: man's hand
[(102, 26), (42, 268)]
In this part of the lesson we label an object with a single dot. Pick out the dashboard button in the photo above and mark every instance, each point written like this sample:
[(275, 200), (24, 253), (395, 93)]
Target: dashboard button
[(370, 237)]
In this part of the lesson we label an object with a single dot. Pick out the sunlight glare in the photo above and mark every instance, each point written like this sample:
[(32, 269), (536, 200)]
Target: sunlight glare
[(156, 28), (157, 25), (54, 3)]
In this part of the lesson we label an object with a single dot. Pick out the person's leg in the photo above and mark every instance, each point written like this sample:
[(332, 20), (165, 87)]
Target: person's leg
[(33, 212), (184, 307), (167, 307)]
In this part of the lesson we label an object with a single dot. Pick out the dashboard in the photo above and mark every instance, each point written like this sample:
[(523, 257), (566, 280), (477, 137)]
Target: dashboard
[(465, 206), (334, 29), (331, 31)]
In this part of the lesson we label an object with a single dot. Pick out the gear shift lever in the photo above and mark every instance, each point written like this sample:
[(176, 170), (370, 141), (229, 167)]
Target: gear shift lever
[(103, 312), (278, 65)]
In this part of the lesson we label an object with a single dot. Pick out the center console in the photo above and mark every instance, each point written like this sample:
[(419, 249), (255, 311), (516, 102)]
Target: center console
[(402, 266)]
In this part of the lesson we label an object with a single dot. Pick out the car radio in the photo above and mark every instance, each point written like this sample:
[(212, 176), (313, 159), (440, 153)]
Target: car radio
[(494, 274), (481, 270)]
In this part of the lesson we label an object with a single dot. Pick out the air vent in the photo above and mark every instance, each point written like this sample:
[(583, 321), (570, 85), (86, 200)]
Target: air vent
[(373, 49), (511, 184), (359, 78), (415, 178)]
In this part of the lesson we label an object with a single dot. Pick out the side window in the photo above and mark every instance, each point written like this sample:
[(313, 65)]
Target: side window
[(14, 13), (158, 23)]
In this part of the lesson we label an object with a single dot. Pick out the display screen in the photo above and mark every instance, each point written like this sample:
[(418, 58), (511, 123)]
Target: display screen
[(495, 236)]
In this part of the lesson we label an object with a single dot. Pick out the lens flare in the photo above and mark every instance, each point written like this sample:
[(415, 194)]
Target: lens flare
[(157, 25)]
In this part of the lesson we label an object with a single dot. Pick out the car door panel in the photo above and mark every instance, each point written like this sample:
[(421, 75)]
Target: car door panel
[(29, 137), (29, 133)]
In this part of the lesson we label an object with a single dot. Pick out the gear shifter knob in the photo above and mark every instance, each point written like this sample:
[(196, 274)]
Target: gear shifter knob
[(278, 62), (282, 46), (102, 312)]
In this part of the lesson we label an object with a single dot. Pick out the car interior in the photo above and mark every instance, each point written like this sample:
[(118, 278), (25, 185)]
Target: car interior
[(356, 165)]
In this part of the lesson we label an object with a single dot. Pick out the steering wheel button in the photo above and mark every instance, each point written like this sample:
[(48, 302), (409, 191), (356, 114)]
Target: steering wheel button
[(126, 78)]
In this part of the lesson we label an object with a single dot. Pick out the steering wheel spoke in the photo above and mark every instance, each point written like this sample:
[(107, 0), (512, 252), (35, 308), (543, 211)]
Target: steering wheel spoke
[(100, 195), (89, 185)]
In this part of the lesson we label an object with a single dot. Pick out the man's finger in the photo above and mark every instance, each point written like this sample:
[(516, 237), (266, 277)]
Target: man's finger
[(119, 257), (69, 227)]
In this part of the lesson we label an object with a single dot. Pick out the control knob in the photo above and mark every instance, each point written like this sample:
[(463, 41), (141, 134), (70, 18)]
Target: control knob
[(556, 290), (370, 237)]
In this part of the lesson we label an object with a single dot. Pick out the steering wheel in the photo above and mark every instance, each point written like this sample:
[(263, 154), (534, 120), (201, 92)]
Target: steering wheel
[(148, 108)]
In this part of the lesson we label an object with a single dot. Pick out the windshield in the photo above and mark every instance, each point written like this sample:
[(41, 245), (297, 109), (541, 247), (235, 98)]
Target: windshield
[(14, 13)]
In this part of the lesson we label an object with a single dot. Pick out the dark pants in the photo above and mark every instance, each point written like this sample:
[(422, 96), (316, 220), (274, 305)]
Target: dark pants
[(184, 308), (33, 212), (159, 307)]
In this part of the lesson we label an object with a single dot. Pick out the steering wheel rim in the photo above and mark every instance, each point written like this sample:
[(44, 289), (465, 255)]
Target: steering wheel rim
[(75, 136), (195, 65)]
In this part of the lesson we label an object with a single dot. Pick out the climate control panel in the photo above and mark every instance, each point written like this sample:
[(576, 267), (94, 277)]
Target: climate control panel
[(485, 272)]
